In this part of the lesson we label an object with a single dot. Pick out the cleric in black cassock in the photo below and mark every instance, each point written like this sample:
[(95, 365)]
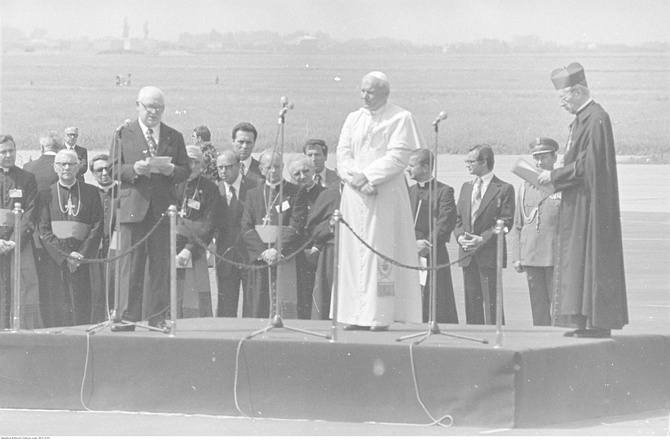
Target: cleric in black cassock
[(590, 285), (70, 226), (16, 186)]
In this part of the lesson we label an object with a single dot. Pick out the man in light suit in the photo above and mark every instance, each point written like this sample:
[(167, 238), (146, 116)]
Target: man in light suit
[(480, 204), (316, 151), (233, 189), (533, 237), (244, 141), (146, 192)]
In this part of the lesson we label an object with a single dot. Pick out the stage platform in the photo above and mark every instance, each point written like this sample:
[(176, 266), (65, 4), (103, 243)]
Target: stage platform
[(537, 377)]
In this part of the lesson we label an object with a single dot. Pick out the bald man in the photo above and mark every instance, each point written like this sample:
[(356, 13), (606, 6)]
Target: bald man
[(146, 192)]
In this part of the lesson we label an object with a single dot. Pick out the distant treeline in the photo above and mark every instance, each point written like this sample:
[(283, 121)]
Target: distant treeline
[(300, 42)]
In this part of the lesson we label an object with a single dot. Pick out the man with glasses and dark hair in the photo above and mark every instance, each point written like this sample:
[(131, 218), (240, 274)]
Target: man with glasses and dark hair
[(233, 189), (244, 141), (316, 151), (70, 224), (148, 180), (17, 186), (481, 204), (102, 275), (590, 285), (70, 136)]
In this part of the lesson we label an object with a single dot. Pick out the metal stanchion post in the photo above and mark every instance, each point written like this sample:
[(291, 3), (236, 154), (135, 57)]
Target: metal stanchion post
[(500, 230), (172, 213), (16, 300), (337, 216)]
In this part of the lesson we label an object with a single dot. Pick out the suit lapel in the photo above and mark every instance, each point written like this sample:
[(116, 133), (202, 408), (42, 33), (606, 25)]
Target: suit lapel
[(164, 141), (491, 191), (467, 204)]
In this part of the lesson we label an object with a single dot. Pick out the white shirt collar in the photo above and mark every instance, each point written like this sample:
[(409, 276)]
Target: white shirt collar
[(247, 164), (156, 130), (236, 184), (588, 101)]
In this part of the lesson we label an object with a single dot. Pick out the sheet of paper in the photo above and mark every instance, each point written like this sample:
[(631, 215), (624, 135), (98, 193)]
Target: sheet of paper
[(529, 173), (157, 161)]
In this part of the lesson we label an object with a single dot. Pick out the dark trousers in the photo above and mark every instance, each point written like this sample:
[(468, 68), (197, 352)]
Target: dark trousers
[(229, 292), (156, 250), (479, 281), (540, 286)]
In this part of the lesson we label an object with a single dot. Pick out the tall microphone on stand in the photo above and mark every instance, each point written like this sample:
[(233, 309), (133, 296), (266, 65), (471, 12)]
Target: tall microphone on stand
[(286, 105), (441, 117)]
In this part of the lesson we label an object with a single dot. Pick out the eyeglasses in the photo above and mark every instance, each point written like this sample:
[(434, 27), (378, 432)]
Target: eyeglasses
[(564, 98), (471, 162), (153, 108), (73, 135), (226, 167), (67, 164), (100, 170)]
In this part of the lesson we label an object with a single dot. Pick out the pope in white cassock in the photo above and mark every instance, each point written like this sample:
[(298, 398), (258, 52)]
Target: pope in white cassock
[(372, 155)]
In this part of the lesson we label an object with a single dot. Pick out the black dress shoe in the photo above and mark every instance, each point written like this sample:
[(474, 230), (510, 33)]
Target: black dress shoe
[(352, 327), (594, 333), (159, 326), (123, 327), (379, 328)]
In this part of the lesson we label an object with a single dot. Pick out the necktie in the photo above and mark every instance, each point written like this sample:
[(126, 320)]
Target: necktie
[(318, 179), (476, 199), (151, 142), (242, 169), (233, 196)]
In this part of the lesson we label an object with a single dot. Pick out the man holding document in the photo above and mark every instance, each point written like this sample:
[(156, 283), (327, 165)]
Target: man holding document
[(149, 160), (533, 237), (590, 286)]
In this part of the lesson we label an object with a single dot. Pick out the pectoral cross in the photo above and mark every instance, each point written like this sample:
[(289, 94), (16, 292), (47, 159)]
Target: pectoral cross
[(69, 207)]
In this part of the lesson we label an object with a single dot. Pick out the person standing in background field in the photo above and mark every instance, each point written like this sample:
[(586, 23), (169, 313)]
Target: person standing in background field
[(372, 154), (481, 204), (145, 194), (244, 141), (421, 165), (533, 237), (70, 136), (17, 186), (590, 286)]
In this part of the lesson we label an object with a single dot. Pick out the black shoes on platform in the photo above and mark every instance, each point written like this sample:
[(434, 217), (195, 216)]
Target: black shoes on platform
[(589, 333), (374, 328)]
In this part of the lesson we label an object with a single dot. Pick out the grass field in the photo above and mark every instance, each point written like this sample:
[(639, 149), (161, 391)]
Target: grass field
[(505, 100)]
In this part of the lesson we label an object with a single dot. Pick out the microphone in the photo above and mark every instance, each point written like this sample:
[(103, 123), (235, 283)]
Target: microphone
[(120, 128), (286, 105), (442, 116)]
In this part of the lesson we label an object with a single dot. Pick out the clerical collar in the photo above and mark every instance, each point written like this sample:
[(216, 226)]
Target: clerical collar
[(67, 186), (106, 188), (272, 185), (588, 101), (6, 170), (424, 183)]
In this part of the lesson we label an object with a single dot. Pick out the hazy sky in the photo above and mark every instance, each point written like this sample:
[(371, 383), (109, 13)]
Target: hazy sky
[(420, 21)]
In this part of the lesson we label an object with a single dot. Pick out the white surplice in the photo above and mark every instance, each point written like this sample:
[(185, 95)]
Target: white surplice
[(372, 292)]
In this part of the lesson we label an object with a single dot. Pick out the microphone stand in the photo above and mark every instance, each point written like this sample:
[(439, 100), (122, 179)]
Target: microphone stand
[(433, 327), (275, 309)]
